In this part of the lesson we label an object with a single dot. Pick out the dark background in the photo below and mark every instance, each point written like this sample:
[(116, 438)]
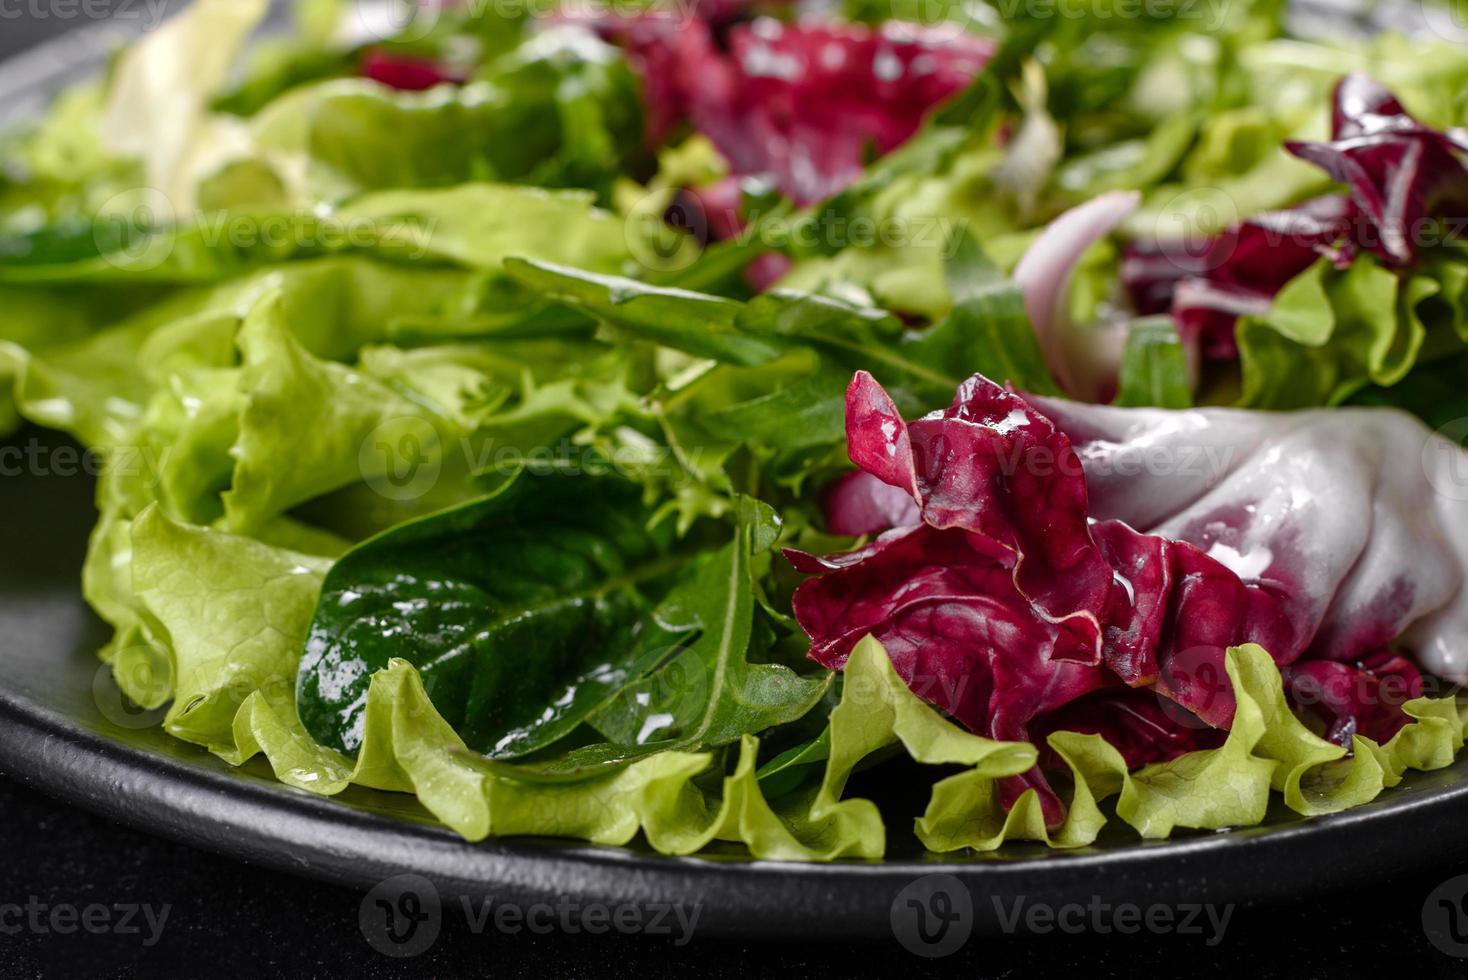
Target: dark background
[(232, 920)]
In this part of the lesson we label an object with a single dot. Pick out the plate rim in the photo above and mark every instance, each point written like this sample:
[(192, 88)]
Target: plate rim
[(298, 833)]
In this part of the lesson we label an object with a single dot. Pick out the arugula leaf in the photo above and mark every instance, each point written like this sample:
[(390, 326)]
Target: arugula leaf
[(696, 323), (709, 694), (989, 329), (1154, 366)]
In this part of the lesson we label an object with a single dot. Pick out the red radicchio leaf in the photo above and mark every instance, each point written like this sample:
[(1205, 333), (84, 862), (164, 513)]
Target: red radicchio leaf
[(405, 72), (859, 504), (1006, 603), (1399, 171), (959, 633), (767, 270), (812, 101), (1364, 699), (1139, 724), (1236, 273), (800, 105)]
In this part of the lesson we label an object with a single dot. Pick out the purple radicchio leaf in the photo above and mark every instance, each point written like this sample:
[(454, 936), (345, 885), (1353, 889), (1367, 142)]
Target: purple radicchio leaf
[(1071, 552), (1400, 172), (801, 105)]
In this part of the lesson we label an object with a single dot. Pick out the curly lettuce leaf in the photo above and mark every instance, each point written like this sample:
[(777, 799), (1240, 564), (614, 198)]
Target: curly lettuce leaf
[(474, 225), (1331, 333), (229, 610), (1267, 749), (96, 380), (281, 384)]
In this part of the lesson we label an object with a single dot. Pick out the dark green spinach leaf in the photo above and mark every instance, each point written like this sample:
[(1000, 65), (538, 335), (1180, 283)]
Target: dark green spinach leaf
[(523, 611)]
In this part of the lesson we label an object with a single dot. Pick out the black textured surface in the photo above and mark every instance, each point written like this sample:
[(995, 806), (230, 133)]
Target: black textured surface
[(238, 919), (233, 920)]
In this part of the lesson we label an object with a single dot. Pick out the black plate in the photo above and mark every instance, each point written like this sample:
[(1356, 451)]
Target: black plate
[(65, 731)]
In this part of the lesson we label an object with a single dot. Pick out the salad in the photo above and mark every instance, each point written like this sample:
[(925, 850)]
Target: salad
[(679, 422)]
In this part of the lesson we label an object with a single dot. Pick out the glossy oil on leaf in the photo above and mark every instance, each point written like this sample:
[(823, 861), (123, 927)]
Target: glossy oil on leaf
[(520, 610)]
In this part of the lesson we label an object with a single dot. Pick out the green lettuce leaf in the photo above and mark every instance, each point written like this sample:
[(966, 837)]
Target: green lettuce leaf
[(480, 225), (229, 611), (96, 384), (351, 415), (242, 629), (1331, 333), (475, 225), (158, 96), (1267, 748)]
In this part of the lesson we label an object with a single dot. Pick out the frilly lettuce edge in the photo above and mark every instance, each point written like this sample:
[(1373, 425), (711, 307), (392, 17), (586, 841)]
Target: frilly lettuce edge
[(226, 617), (677, 801)]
